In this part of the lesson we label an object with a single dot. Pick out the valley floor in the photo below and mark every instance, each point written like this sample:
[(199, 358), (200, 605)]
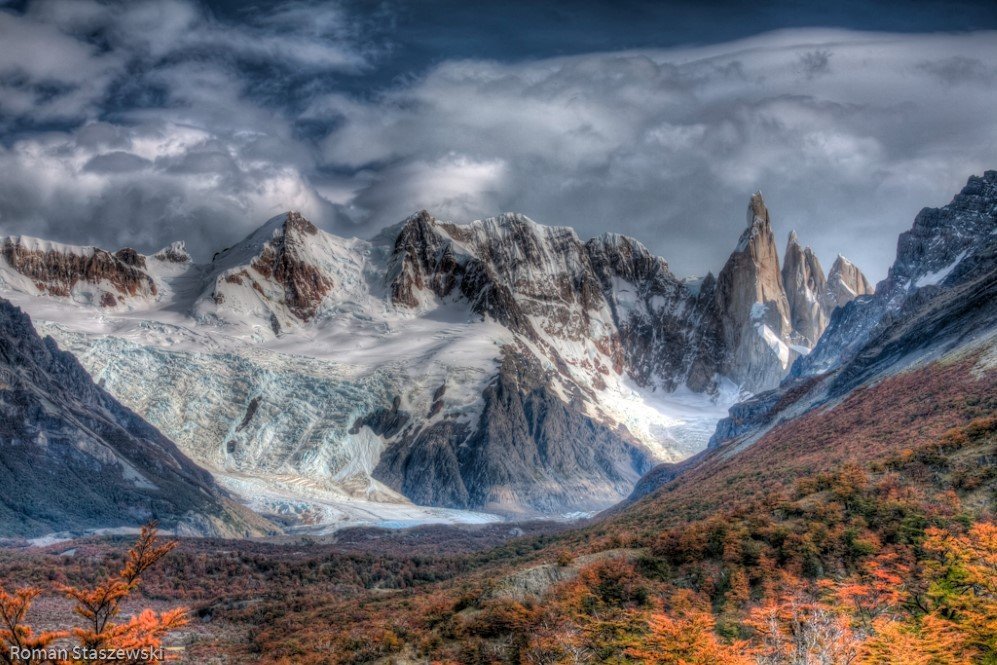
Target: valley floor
[(871, 541)]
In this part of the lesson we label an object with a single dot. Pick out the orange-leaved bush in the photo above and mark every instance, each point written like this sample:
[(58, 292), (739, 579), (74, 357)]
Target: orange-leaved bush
[(99, 608)]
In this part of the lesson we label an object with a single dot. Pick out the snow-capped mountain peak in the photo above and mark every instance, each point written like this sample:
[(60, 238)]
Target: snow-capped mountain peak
[(175, 252), (280, 276)]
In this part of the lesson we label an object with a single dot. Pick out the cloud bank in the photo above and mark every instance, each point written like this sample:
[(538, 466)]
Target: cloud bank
[(146, 122)]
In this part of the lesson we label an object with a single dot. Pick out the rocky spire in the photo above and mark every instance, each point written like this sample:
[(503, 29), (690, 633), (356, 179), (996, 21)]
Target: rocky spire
[(845, 282), (803, 279), (753, 308)]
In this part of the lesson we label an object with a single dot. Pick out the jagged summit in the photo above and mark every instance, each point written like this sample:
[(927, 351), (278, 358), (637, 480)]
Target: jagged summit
[(770, 313), (805, 284), (279, 274), (290, 221), (939, 301), (757, 212), (175, 252), (943, 245), (845, 282), (842, 263), (752, 306)]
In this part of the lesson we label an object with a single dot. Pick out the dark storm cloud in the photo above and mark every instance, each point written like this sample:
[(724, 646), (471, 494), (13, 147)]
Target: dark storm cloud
[(815, 63), (668, 145), (133, 123), (960, 69), (116, 162), (144, 122)]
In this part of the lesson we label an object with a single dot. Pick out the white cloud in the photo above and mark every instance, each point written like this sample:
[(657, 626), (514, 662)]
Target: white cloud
[(165, 133), (145, 187), (848, 135)]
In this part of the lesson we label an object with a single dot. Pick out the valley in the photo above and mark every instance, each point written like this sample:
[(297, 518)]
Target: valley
[(846, 512)]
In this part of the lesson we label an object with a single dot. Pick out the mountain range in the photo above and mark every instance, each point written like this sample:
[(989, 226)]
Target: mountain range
[(936, 307), (499, 366)]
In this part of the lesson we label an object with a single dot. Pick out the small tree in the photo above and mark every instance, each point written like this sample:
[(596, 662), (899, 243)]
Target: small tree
[(99, 608)]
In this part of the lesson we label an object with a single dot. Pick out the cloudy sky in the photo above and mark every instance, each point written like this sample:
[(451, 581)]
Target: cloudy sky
[(138, 123)]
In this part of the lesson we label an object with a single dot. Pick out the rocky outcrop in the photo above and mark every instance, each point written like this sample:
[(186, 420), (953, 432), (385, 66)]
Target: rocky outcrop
[(940, 295), (845, 283), (932, 320), (88, 275), (940, 245), (666, 330), (805, 285), (422, 261), (384, 422), (529, 452), (280, 274), (73, 458), (175, 252), (507, 268), (283, 259)]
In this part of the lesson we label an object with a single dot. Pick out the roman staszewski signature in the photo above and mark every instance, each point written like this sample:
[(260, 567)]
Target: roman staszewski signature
[(79, 653)]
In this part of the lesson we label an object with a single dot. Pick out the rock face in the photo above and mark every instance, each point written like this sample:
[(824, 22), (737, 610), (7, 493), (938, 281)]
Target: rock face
[(939, 295), (845, 283), (284, 260), (667, 331), (174, 253), (535, 280), (803, 279), (277, 273), (543, 282), (86, 275), (939, 299), (940, 245), (527, 449), (753, 307), (73, 458)]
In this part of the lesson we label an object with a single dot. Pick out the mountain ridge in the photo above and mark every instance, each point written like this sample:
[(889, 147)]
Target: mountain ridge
[(293, 337)]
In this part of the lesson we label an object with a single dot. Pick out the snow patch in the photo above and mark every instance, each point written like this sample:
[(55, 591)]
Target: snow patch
[(938, 276), (777, 346)]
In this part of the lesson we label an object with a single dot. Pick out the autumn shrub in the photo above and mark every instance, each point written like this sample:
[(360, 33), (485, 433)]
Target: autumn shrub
[(98, 608)]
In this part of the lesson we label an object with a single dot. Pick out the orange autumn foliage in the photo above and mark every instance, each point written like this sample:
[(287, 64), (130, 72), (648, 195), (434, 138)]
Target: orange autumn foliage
[(932, 642), (798, 629), (685, 636), (13, 631), (99, 608), (878, 588), (964, 589)]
